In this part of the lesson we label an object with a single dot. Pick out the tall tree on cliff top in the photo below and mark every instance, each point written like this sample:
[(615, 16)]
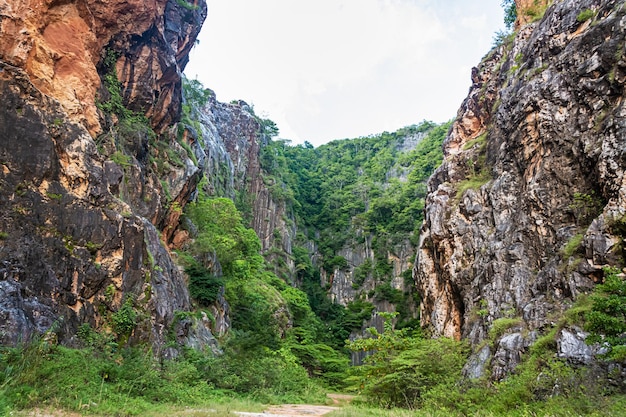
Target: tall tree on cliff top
[(510, 13)]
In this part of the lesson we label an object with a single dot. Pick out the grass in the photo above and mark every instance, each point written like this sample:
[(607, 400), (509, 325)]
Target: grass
[(481, 141), (474, 182), (553, 407), (572, 245), (222, 407), (585, 15), (107, 379), (121, 159), (501, 325)]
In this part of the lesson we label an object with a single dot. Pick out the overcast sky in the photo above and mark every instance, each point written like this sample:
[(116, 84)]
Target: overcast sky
[(334, 69)]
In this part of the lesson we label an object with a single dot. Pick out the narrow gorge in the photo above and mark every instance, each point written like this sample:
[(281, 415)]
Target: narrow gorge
[(141, 214)]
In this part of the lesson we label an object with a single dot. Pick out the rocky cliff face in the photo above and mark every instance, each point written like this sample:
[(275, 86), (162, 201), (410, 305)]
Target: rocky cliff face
[(530, 200), (81, 188), (227, 142), (60, 45)]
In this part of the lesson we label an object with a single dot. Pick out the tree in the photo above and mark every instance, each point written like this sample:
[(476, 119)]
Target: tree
[(510, 13)]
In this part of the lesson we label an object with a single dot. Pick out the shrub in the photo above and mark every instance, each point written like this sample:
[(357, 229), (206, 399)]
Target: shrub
[(585, 15), (204, 287), (572, 245), (607, 319), (124, 320), (403, 369)]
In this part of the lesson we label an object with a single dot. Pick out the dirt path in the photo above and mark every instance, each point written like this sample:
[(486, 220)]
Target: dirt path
[(292, 410), (303, 410)]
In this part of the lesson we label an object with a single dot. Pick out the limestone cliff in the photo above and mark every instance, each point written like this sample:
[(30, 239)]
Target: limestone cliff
[(530, 200), (83, 194), (227, 139)]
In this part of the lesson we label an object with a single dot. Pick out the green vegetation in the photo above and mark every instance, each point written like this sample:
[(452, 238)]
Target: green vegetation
[(274, 326), (536, 10), (606, 319), (422, 374), (402, 371), (510, 13), (105, 380), (572, 245), (586, 207), (290, 344), (186, 5), (499, 326), (124, 320), (351, 191), (473, 182), (585, 15)]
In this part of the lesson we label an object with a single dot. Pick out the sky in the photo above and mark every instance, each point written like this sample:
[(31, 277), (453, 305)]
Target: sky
[(335, 69)]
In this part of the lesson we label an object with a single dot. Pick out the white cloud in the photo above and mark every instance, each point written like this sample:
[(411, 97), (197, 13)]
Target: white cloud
[(329, 69)]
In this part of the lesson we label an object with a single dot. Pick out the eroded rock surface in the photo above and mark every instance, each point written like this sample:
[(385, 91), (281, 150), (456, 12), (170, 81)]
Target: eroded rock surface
[(78, 210), (528, 204), (61, 45)]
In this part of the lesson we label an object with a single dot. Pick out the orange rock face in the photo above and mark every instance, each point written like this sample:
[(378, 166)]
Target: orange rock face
[(60, 46), (528, 10)]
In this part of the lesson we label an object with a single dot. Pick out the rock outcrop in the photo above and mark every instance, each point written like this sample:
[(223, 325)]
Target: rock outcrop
[(227, 142), (529, 202), (61, 45), (80, 196)]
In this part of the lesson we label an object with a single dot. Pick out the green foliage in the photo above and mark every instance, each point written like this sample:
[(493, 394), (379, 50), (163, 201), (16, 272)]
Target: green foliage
[(121, 159), (473, 182), (535, 11), (331, 185), (361, 273), (572, 245), (404, 369), (194, 92), (480, 142), (585, 15), (267, 314), (123, 382), (115, 102), (262, 375), (607, 319), (337, 262), (499, 326), (90, 338), (510, 13), (268, 128), (204, 287), (186, 5), (386, 292), (586, 207), (124, 320), (221, 231)]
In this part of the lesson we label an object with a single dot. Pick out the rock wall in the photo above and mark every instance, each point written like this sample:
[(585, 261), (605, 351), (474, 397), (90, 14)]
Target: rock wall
[(530, 200), (79, 207), (228, 144), (60, 45)]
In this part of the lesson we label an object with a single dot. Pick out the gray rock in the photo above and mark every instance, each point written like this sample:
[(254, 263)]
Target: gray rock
[(571, 346), (551, 106), (476, 366)]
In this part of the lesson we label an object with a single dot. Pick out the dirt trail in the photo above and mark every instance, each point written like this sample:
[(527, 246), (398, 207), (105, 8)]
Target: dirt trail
[(292, 410), (303, 410)]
